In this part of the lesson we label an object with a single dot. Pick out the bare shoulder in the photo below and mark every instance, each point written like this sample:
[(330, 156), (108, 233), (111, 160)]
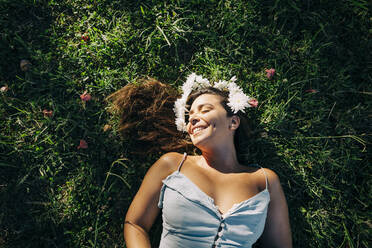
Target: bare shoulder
[(274, 185), (272, 178), (168, 162), (260, 175), (163, 167)]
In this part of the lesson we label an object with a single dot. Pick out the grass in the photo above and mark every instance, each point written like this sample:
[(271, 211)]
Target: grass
[(313, 115)]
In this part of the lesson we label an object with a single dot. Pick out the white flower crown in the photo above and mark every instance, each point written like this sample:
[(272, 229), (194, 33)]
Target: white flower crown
[(237, 100)]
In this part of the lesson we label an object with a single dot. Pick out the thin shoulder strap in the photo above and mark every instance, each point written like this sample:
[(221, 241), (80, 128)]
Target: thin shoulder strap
[(183, 160), (265, 175)]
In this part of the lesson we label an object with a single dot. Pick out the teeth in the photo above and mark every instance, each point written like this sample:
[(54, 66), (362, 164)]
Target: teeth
[(198, 129)]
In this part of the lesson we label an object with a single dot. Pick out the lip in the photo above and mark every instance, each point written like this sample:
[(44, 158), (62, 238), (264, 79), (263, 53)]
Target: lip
[(192, 129)]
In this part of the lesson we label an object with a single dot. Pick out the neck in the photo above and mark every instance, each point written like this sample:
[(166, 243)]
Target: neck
[(223, 159)]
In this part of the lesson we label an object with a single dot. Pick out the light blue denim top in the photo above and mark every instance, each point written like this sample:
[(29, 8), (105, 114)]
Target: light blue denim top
[(191, 219)]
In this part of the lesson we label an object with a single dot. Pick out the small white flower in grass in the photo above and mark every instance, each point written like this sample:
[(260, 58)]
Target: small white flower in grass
[(4, 89), (238, 101)]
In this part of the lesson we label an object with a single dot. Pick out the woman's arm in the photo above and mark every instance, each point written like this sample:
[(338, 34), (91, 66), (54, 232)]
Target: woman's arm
[(277, 232), (144, 208)]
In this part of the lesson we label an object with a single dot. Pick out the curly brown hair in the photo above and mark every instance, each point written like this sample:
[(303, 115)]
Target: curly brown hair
[(145, 110)]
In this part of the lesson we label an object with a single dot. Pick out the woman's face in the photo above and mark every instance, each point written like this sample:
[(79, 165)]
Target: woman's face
[(208, 121)]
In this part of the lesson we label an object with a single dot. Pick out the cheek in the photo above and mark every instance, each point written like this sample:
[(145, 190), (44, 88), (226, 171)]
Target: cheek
[(219, 122), (187, 126)]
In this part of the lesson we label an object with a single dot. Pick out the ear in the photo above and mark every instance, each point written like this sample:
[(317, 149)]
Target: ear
[(235, 122)]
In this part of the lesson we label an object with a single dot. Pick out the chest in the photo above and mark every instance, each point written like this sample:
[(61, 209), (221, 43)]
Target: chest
[(226, 190)]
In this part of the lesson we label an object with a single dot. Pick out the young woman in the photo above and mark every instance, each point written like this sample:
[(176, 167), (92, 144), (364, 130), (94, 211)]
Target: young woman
[(211, 200)]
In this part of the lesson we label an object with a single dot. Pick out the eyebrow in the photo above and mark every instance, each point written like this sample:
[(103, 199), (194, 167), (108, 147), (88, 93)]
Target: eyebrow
[(200, 106)]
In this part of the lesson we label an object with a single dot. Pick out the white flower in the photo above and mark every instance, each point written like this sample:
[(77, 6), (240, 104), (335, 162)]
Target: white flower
[(233, 79), (238, 101), (181, 124), (221, 85), (186, 92), (179, 107), (234, 89), (180, 103), (198, 78), (201, 83), (205, 83), (187, 86), (191, 78)]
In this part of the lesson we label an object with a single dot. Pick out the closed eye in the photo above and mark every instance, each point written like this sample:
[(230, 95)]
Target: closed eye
[(206, 109), (202, 109)]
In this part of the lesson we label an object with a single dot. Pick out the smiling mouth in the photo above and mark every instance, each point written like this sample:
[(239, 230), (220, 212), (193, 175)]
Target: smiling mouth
[(198, 130)]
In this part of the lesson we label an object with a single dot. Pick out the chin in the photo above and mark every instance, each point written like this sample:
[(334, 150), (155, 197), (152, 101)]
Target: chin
[(201, 142)]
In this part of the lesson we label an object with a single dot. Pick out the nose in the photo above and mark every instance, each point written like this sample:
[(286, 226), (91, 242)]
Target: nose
[(194, 120)]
